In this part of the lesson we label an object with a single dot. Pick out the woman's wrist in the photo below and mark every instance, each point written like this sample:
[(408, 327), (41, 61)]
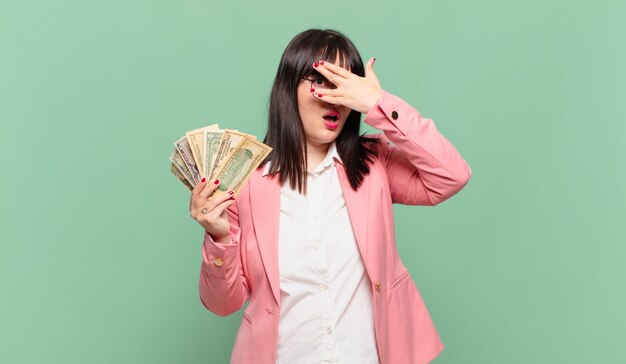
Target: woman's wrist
[(219, 239), (375, 104)]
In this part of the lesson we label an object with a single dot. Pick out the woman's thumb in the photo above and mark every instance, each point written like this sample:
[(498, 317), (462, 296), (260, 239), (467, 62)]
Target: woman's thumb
[(369, 69)]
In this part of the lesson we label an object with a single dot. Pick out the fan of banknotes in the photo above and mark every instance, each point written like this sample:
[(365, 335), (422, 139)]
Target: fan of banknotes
[(215, 153)]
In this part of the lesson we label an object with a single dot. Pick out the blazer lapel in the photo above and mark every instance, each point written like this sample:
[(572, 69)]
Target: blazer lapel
[(265, 207), (357, 205)]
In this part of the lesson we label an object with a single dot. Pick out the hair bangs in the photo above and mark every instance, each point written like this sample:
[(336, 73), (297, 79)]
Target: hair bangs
[(332, 48)]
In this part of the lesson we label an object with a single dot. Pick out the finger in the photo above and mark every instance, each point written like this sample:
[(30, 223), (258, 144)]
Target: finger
[(221, 198), (219, 209), (197, 190), (337, 70), (337, 92), (211, 187), (206, 207), (214, 215), (199, 187), (214, 200), (369, 70), (326, 98), (334, 78)]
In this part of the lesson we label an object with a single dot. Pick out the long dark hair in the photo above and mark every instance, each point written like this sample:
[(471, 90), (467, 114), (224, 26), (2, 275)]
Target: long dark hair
[(285, 133)]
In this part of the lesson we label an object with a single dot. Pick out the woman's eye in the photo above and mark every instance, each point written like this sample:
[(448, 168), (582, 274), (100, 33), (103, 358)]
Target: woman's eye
[(319, 81)]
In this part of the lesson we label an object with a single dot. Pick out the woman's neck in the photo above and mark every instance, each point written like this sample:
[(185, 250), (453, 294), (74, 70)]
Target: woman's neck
[(315, 154)]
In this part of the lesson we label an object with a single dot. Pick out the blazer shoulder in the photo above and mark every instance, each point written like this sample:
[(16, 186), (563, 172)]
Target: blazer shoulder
[(381, 147)]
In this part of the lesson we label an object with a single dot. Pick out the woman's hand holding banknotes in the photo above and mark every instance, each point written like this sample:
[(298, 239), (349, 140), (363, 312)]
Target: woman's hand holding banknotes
[(211, 213)]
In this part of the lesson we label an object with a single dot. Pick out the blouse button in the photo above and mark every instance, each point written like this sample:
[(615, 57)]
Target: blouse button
[(377, 286), (394, 115), (218, 262)]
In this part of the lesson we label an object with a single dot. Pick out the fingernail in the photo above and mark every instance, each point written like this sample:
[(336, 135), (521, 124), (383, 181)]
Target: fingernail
[(232, 198), (203, 179), (217, 182), (319, 95), (315, 64), (231, 192), (374, 60), (321, 62)]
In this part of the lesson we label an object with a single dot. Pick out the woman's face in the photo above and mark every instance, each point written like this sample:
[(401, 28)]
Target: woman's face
[(322, 121)]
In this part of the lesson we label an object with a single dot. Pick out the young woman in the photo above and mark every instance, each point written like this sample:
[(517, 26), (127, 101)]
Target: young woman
[(310, 239)]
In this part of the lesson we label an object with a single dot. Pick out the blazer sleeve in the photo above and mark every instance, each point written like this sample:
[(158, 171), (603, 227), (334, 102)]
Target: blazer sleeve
[(423, 167), (223, 286)]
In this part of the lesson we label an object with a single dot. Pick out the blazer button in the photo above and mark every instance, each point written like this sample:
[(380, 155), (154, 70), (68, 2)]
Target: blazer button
[(218, 262), (394, 115), (377, 286)]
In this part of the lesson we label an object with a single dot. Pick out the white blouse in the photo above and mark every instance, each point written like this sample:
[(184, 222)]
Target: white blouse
[(326, 313)]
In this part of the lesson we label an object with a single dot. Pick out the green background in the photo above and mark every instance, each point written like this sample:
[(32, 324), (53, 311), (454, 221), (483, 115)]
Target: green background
[(99, 259)]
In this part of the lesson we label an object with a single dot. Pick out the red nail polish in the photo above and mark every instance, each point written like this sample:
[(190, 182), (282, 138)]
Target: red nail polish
[(321, 62), (312, 90), (232, 198), (203, 180), (217, 181), (319, 95), (374, 60), (315, 64), (231, 192)]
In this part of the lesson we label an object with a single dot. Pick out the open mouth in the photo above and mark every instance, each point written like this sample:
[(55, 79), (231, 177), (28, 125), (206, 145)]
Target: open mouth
[(330, 119), (331, 116)]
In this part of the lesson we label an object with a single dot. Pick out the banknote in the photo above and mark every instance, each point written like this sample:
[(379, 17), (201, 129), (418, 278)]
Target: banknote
[(212, 140), (176, 172), (226, 154), (230, 140), (182, 145), (177, 160), (194, 137), (239, 165)]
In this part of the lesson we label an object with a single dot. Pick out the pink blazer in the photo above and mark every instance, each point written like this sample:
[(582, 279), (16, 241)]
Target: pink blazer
[(416, 165)]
